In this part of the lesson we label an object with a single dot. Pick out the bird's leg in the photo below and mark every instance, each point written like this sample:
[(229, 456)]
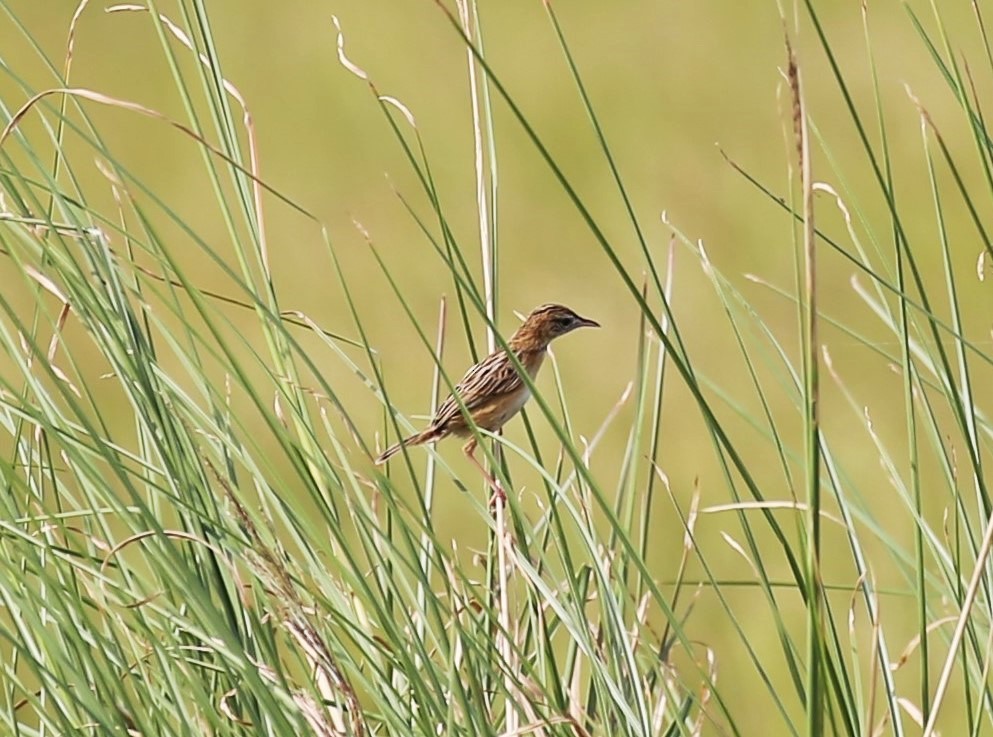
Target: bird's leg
[(498, 493)]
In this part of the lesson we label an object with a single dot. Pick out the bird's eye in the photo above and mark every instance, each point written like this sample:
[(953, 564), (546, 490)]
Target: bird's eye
[(564, 321)]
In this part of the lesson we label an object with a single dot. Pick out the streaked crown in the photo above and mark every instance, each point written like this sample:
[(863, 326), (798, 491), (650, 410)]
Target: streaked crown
[(546, 323)]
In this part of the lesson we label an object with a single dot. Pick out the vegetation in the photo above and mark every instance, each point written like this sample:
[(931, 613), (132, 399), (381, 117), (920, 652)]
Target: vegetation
[(742, 508)]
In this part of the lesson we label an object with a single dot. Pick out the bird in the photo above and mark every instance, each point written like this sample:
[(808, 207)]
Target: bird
[(493, 391)]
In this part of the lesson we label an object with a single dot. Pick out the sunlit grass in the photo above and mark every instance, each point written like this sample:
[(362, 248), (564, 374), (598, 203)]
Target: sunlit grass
[(195, 539)]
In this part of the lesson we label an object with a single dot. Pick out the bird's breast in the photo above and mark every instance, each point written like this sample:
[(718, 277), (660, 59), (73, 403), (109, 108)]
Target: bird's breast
[(495, 413), (492, 414), (518, 401), (531, 360)]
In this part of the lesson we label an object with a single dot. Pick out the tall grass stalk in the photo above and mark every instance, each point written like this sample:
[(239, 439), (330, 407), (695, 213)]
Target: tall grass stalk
[(194, 540)]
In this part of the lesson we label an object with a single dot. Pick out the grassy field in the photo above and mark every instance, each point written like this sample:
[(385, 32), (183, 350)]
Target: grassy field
[(247, 245)]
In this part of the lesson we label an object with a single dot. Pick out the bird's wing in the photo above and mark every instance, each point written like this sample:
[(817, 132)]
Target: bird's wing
[(491, 377)]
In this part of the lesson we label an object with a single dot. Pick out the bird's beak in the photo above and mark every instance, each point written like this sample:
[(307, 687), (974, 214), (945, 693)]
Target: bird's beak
[(587, 323)]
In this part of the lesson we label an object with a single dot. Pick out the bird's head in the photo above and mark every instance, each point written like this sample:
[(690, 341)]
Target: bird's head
[(546, 323)]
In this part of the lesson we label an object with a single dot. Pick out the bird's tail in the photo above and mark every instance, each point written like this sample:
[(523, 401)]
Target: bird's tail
[(425, 436)]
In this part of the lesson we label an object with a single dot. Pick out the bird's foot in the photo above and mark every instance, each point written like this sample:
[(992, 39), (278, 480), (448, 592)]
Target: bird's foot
[(499, 496)]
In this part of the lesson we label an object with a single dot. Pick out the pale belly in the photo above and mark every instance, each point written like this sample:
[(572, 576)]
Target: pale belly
[(496, 415), (497, 412), (518, 402)]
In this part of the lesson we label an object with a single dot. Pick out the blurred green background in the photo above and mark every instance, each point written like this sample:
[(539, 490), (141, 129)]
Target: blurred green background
[(671, 81)]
